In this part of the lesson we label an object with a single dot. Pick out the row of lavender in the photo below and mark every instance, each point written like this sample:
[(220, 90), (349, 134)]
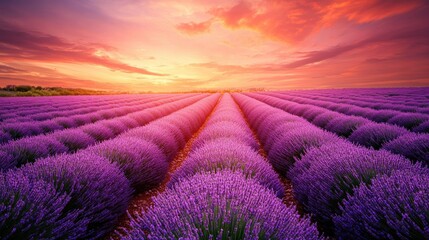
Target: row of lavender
[(71, 119), (19, 152), (413, 121), (353, 192), (358, 130), (22, 108), (223, 190), (82, 195), (402, 99), (403, 105), (47, 112)]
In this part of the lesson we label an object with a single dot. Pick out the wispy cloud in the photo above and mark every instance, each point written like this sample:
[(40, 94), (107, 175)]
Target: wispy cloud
[(192, 28), (35, 46)]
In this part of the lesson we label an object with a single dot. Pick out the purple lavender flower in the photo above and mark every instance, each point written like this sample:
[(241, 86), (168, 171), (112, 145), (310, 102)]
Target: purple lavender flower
[(228, 154), (94, 185), (381, 115), (22, 129), (422, 128), (142, 162), (6, 160), (376, 134), (159, 136), (292, 145), (35, 210), (66, 122), (98, 131), (172, 129), (221, 130), (74, 139), (409, 120), (50, 126), (345, 125), (117, 127), (4, 137), (221, 205), (325, 175), (323, 119), (29, 149), (392, 207), (312, 113), (413, 146)]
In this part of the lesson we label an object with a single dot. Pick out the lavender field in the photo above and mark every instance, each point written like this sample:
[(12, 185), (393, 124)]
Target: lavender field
[(309, 164)]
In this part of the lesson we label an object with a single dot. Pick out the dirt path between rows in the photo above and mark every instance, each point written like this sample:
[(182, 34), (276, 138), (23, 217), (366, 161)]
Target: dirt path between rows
[(142, 201)]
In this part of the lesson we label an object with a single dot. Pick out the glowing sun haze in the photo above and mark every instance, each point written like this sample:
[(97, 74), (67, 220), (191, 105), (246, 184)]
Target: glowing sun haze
[(165, 45)]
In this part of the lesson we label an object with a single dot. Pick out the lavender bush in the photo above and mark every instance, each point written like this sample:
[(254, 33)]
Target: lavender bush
[(221, 205), (408, 120), (228, 154), (345, 125), (142, 162), (28, 149), (74, 139), (392, 207), (292, 145), (413, 146), (422, 128), (159, 136), (6, 161), (376, 134), (35, 210), (94, 185), (221, 130), (98, 131), (325, 175)]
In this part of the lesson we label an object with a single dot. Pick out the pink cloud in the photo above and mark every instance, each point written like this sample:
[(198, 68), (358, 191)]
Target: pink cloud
[(192, 28), (34, 46)]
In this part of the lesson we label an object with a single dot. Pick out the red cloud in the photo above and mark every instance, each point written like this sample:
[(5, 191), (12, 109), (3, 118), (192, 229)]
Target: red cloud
[(15, 45), (193, 28), (293, 21)]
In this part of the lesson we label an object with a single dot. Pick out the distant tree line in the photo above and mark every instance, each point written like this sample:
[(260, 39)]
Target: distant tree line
[(27, 90)]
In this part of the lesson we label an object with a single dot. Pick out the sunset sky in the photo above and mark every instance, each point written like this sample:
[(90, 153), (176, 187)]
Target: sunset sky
[(165, 45)]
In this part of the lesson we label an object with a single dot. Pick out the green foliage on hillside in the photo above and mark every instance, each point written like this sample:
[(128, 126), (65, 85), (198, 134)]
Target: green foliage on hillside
[(23, 90)]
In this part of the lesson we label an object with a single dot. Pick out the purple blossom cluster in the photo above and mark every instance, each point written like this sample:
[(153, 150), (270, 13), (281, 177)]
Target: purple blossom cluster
[(222, 205), (228, 154), (324, 176), (413, 146), (392, 207), (142, 162), (94, 185), (35, 210), (375, 135)]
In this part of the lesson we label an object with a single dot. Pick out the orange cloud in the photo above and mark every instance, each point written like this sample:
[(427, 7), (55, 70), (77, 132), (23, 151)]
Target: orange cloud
[(193, 28), (293, 21)]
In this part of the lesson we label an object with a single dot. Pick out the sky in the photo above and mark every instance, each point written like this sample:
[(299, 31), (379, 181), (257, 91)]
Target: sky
[(187, 45)]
